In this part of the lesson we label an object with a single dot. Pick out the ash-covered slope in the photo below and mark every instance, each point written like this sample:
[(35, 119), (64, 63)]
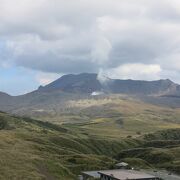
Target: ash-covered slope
[(88, 83), (54, 96), (160, 87), (84, 83)]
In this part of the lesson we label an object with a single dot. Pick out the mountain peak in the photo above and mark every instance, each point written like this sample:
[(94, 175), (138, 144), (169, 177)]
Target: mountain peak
[(84, 82), (88, 83)]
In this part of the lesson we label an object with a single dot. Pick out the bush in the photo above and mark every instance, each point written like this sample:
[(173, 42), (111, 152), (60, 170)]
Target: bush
[(3, 123), (129, 136)]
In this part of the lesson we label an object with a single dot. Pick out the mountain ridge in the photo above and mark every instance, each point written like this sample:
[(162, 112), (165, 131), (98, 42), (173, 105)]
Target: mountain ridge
[(89, 82), (57, 96)]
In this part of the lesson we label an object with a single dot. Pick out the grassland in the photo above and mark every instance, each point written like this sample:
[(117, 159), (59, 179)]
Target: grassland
[(160, 150), (88, 135), (117, 117), (31, 149)]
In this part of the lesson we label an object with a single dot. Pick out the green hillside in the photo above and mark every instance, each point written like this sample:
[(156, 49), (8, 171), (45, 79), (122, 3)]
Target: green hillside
[(160, 150), (92, 134), (40, 150)]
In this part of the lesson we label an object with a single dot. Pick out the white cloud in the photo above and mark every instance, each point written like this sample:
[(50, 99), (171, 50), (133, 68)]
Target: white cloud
[(134, 71), (170, 61), (60, 36), (46, 78)]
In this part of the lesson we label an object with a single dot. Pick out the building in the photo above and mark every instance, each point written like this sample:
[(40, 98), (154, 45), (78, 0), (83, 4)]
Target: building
[(122, 174), (125, 175), (90, 175)]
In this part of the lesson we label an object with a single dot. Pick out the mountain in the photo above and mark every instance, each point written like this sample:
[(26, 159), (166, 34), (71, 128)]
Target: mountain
[(84, 83), (61, 95), (4, 95), (5, 99), (89, 83)]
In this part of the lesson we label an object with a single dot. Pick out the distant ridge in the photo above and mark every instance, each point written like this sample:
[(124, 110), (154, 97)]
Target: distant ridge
[(88, 83), (55, 96), (4, 95)]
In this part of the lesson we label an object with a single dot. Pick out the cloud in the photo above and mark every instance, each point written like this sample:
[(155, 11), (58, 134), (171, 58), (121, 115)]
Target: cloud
[(121, 36), (101, 50), (46, 78), (133, 71)]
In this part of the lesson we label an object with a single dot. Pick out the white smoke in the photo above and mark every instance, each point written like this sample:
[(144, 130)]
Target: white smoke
[(100, 51), (102, 77), (96, 93)]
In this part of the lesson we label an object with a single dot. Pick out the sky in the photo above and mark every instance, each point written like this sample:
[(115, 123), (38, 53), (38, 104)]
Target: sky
[(40, 40)]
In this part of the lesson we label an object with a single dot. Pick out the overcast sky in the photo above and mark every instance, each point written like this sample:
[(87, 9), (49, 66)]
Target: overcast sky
[(42, 39)]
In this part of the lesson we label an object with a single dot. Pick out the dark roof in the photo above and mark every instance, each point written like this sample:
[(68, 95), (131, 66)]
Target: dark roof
[(127, 174), (93, 174)]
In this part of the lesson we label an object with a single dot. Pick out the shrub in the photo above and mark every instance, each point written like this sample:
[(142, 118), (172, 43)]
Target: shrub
[(3, 123)]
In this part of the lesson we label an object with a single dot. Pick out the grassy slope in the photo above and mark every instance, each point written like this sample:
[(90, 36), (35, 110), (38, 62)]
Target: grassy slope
[(30, 149), (117, 117), (92, 132), (160, 149)]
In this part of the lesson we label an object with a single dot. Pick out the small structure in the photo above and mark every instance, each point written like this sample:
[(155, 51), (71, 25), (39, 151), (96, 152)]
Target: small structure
[(125, 174), (122, 165), (87, 175)]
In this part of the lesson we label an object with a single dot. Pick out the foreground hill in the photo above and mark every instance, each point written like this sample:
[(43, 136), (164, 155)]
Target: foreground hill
[(40, 150), (160, 149), (31, 149)]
